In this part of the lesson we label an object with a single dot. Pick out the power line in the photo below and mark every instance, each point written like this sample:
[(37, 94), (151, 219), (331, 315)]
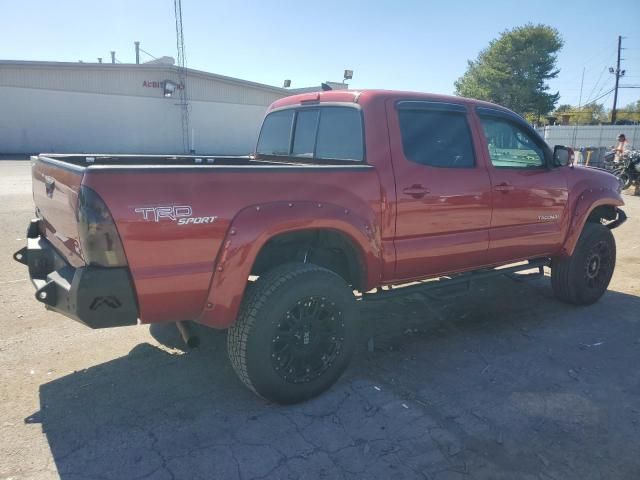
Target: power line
[(597, 58), (603, 95), (147, 53), (604, 69), (604, 55), (599, 92)]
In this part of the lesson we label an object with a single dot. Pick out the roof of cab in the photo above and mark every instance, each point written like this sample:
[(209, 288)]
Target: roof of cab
[(364, 96)]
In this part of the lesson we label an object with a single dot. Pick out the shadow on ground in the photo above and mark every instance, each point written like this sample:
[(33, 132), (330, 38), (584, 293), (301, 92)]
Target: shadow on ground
[(517, 387)]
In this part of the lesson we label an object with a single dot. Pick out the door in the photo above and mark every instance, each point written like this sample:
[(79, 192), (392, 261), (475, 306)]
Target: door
[(529, 195), (442, 188)]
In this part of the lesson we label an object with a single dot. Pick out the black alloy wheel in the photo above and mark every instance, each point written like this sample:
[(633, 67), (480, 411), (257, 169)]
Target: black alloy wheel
[(307, 340)]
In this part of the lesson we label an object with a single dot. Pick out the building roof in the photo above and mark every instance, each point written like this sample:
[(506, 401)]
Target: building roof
[(150, 67)]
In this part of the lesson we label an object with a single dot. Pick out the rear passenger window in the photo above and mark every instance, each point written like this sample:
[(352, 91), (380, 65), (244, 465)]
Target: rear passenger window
[(275, 136), (436, 138), (340, 134)]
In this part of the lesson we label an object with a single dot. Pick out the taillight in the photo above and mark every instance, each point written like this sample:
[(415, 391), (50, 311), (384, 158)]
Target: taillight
[(99, 237)]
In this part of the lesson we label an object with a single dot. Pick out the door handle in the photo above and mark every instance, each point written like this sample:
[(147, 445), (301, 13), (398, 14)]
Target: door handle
[(503, 187), (415, 191)]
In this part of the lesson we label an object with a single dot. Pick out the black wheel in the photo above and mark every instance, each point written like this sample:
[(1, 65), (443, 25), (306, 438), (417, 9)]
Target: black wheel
[(583, 277), (625, 180), (295, 334)]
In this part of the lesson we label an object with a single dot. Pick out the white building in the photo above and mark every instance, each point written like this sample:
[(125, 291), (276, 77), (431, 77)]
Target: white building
[(121, 108)]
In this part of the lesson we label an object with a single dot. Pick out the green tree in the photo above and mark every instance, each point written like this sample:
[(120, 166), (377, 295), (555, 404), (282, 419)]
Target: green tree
[(630, 112), (514, 69), (589, 114), (593, 113)]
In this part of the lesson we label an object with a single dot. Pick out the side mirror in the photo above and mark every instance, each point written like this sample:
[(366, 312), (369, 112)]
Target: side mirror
[(563, 156)]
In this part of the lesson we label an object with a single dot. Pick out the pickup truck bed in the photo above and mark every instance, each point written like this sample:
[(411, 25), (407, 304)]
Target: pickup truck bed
[(164, 256), (347, 191)]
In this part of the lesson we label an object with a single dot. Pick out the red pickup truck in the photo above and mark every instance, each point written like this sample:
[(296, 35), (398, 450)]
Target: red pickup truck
[(348, 195)]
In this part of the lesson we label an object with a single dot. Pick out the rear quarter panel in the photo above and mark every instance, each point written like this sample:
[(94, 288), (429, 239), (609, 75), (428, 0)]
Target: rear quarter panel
[(172, 265)]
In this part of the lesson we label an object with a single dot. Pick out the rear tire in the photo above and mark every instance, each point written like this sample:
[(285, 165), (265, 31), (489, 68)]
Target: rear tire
[(583, 277), (295, 334)]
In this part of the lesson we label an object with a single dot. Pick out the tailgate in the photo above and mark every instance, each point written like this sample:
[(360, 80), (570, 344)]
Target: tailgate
[(56, 185)]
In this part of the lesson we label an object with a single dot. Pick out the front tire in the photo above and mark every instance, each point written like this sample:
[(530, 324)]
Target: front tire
[(583, 277), (295, 334)]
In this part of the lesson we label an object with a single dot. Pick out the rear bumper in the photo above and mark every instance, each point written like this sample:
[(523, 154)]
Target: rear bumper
[(94, 296)]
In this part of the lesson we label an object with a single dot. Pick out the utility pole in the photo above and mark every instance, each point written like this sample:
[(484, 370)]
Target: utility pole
[(137, 44), (575, 130), (618, 73), (182, 77)]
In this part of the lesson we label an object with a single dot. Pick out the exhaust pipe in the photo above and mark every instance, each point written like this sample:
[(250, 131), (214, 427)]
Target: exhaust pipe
[(191, 340)]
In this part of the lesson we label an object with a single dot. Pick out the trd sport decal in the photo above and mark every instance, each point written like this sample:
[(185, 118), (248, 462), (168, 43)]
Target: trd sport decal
[(181, 214)]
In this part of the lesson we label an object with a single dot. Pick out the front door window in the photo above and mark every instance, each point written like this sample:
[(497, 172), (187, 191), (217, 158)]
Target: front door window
[(510, 146)]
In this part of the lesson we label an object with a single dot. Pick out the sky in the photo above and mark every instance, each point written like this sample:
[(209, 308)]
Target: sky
[(402, 44)]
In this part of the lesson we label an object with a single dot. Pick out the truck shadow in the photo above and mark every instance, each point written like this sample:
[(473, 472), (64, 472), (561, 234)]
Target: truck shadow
[(160, 413)]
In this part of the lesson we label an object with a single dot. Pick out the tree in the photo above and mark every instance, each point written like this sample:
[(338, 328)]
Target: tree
[(513, 70), (589, 114), (592, 114), (630, 112)]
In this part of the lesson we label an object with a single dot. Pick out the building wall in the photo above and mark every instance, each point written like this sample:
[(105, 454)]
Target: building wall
[(59, 122), (93, 108), (580, 136)]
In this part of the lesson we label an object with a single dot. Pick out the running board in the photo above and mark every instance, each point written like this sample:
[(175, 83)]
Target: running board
[(463, 278)]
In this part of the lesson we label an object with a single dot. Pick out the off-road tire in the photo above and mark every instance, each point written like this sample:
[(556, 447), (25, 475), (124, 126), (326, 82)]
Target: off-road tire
[(267, 301), (583, 277)]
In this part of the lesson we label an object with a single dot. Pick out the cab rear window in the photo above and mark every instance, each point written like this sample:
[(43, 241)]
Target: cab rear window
[(322, 133), (275, 136)]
